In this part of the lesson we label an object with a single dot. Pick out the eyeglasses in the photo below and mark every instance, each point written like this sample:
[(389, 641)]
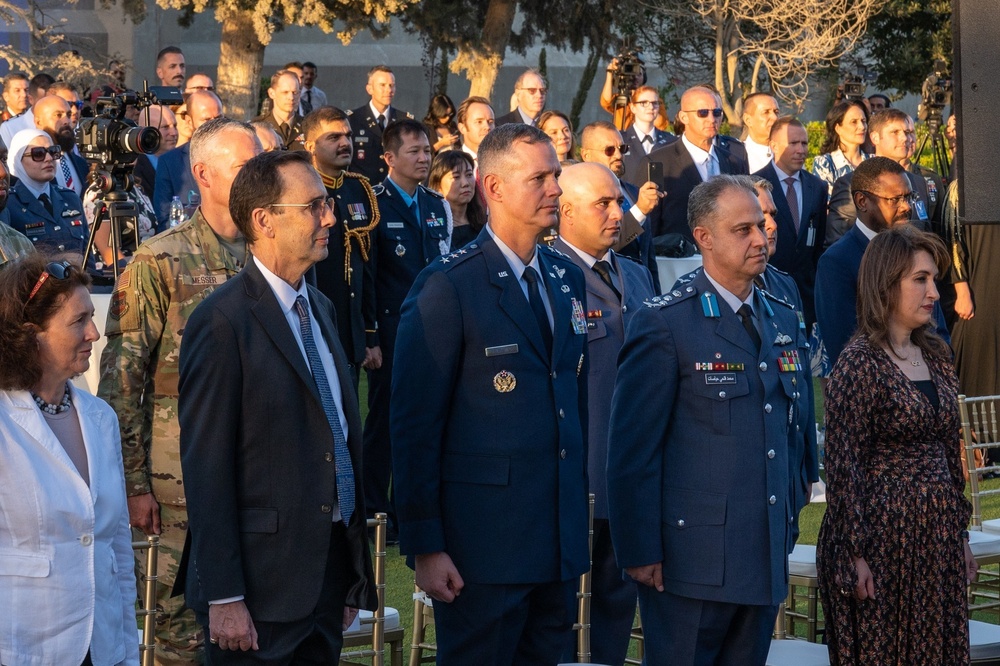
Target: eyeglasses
[(78, 104), (192, 88), (892, 201), (535, 91), (610, 150), (59, 270), (703, 113), (316, 206), (647, 104), (38, 153)]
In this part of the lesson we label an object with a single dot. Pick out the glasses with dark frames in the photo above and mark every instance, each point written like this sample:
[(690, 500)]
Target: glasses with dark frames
[(58, 270), (704, 113), (38, 153)]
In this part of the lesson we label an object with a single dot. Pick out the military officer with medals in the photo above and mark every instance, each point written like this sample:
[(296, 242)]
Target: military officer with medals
[(167, 278), (412, 232), (368, 123), (489, 422), (347, 275), (698, 488), (50, 216)]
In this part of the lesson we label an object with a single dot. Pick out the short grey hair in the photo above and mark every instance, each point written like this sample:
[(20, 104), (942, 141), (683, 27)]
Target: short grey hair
[(703, 205), (760, 183), (207, 139), (494, 153)]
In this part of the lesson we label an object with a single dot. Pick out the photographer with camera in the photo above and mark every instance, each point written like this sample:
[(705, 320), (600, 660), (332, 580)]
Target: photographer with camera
[(626, 72)]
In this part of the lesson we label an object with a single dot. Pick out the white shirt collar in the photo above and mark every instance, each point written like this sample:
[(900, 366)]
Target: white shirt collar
[(697, 154), (731, 299), (869, 234), (782, 175), (284, 292), (528, 120), (376, 114)]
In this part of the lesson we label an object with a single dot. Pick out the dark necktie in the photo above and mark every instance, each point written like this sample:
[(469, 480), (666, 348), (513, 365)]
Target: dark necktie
[(345, 473), (746, 314), (793, 201), (538, 308), (381, 121), (647, 143), (307, 105), (603, 269), (44, 198)]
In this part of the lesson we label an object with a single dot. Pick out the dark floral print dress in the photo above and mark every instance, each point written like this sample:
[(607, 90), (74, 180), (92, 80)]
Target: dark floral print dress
[(895, 497)]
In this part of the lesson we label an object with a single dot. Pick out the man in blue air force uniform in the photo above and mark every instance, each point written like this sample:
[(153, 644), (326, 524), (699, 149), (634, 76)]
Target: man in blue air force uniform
[(489, 422), (698, 485)]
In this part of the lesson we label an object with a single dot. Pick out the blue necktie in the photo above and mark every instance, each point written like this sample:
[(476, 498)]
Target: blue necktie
[(345, 473), (537, 307)]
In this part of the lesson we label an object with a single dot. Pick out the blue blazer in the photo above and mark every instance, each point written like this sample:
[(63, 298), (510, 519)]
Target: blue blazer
[(700, 482), (837, 293), (488, 431), (607, 319), (65, 230), (173, 178), (794, 254), (636, 152)]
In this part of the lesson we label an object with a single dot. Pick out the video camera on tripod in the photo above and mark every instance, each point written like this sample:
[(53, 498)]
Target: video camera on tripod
[(854, 85), (629, 75), (935, 96), (113, 142)]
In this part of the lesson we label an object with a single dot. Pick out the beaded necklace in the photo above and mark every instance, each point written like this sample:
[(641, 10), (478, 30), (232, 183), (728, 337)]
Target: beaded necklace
[(63, 405)]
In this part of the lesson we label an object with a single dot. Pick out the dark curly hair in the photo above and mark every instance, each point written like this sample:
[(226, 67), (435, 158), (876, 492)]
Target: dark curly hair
[(20, 366)]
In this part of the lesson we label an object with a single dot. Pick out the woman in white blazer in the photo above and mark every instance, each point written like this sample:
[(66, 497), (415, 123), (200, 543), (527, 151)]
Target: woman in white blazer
[(67, 588)]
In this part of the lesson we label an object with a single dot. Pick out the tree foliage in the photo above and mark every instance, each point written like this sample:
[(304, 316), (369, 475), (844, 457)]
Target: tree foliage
[(249, 25), (480, 32), (752, 45), (49, 51), (904, 39)]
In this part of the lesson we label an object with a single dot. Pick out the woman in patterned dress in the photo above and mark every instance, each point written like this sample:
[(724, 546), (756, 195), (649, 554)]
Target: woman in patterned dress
[(846, 134), (893, 553)]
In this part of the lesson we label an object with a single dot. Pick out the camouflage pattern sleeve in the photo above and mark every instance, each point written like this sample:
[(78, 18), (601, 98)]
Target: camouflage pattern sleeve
[(136, 320)]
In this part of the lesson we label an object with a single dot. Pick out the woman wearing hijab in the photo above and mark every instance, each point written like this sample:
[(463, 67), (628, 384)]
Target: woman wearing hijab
[(50, 216)]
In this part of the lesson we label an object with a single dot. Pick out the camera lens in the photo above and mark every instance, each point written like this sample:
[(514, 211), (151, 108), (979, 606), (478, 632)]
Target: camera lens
[(139, 140)]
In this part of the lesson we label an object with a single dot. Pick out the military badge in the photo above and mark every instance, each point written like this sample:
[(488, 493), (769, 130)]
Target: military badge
[(789, 361), (119, 305), (504, 382), (400, 250), (579, 319), (710, 305), (782, 339)]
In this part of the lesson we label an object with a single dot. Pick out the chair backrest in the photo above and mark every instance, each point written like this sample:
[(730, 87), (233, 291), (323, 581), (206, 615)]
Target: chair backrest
[(380, 523), (980, 432), (148, 612), (583, 596)]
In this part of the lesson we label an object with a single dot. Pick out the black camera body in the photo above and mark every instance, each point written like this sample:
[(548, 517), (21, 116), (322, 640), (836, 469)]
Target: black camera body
[(112, 140), (631, 74), (855, 85), (935, 96)]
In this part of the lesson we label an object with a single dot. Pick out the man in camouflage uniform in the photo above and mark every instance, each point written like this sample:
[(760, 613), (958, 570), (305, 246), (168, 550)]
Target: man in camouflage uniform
[(168, 277), (13, 244)]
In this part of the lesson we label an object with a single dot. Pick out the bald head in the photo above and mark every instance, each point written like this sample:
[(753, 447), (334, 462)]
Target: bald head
[(164, 120), (698, 106), (52, 117), (202, 106), (590, 212)]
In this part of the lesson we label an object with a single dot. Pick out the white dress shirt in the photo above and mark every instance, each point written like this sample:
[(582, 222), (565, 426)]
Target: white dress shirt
[(784, 186), (702, 159), (517, 268), (758, 156)]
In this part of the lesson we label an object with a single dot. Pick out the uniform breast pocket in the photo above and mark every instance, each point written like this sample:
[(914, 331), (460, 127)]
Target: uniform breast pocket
[(35, 231), (716, 392), (596, 329)]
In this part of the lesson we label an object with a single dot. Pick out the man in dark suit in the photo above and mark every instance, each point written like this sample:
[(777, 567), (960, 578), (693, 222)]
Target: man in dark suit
[(589, 224), (347, 275), (284, 116), (489, 421), (892, 133), (530, 91), (642, 136), (690, 161), (278, 557), (698, 489), (369, 121), (800, 198), (52, 116), (413, 231), (601, 143), (173, 169)]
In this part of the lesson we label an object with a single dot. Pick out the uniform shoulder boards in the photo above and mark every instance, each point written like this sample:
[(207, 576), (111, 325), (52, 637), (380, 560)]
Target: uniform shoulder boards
[(460, 255), (426, 190), (777, 299), (378, 189), (676, 296)]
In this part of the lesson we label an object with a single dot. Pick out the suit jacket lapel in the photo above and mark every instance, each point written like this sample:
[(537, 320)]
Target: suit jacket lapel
[(33, 206), (268, 312), (512, 300), (348, 396), (562, 309), (730, 327)]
